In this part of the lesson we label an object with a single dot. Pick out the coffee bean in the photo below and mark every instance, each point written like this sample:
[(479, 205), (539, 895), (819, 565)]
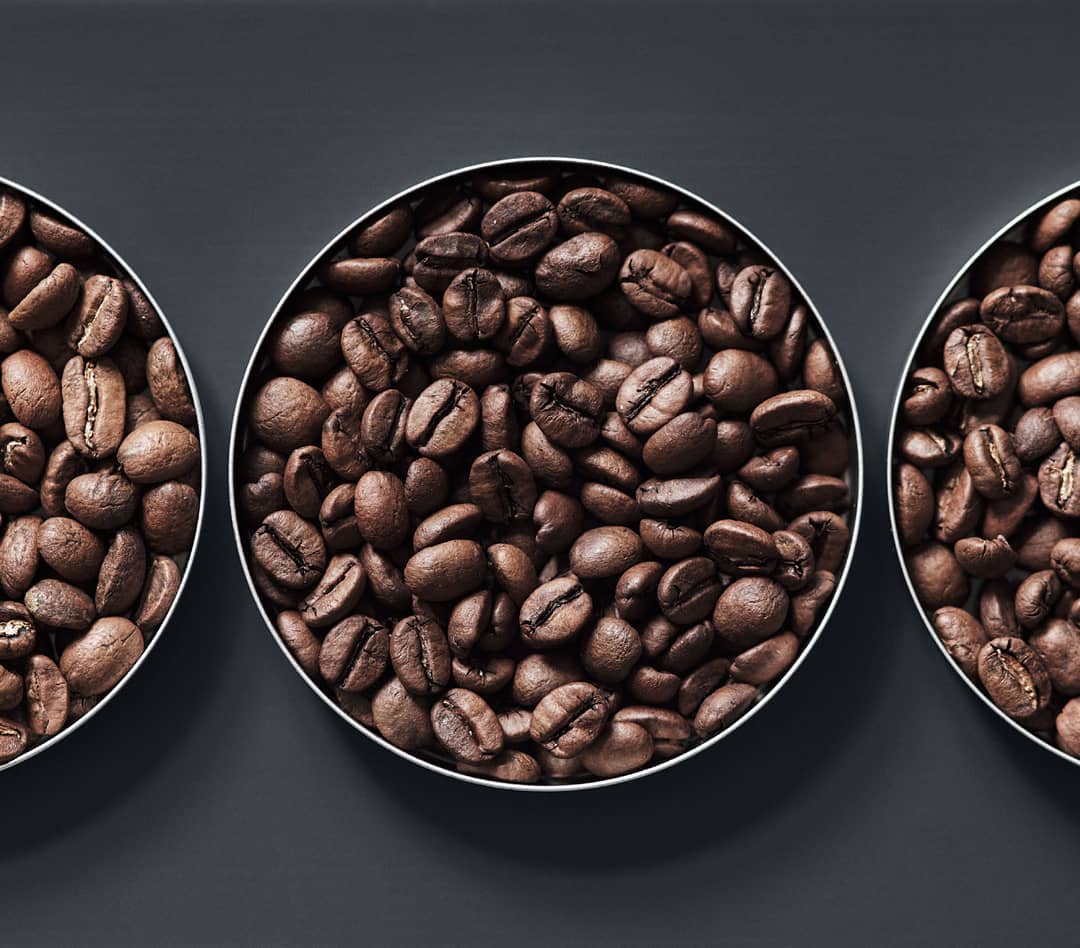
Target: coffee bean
[(1014, 676), (466, 726), (578, 268), (568, 719), (401, 717), (723, 707), (420, 655), (566, 409), (354, 653), (473, 306), (446, 571), (96, 661), (653, 394)]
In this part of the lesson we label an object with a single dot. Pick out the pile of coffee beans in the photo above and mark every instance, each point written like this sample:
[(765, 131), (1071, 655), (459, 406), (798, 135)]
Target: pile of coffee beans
[(99, 473), (544, 473), (987, 475)]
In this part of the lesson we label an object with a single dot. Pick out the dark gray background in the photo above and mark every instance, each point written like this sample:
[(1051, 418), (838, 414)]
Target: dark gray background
[(216, 801)]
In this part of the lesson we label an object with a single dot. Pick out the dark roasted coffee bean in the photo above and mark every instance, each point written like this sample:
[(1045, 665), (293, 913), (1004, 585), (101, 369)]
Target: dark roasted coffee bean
[(94, 402), (655, 284), (1059, 482), (963, 637), (976, 362), (760, 301), (354, 653), (466, 726), (1022, 314), (420, 655), (791, 417), (473, 306), (568, 719), (519, 226), (445, 571), (95, 662), (381, 512), (604, 552), (382, 431), (1015, 677), (749, 611), (653, 394), (374, 351), (992, 462), (723, 707), (169, 517), (290, 549), (578, 268), (443, 418), (593, 209), (1056, 376), (555, 612), (287, 413)]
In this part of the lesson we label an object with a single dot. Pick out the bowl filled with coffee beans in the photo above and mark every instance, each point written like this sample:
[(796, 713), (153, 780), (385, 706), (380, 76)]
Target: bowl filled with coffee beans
[(985, 473), (100, 486), (545, 474)]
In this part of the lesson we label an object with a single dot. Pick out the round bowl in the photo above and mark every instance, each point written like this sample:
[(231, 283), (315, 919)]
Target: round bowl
[(257, 364), (958, 288), (184, 560)]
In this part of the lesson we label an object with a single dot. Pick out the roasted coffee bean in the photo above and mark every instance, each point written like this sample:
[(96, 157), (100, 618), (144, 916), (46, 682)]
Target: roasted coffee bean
[(1015, 677), (354, 653), (593, 209), (604, 552), (976, 362), (740, 548), (473, 306), (95, 662), (466, 727), (791, 417), (568, 719), (420, 655), (578, 268), (748, 611), (566, 409), (502, 486), (402, 718), (169, 517), (122, 574), (655, 284), (723, 707), (548, 469), (290, 549), (688, 590), (519, 226), (654, 394), (1059, 482), (992, 462), (760, 301), (446, 571)]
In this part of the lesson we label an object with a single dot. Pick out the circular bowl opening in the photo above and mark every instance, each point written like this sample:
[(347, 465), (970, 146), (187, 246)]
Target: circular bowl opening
[(979, 497), (597, 214), (80, 567)]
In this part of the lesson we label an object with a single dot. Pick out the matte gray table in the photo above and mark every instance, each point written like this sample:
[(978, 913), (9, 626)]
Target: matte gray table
[(873, 148)]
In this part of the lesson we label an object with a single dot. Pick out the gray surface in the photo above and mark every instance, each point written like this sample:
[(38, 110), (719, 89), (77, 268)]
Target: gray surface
[(216, 801)]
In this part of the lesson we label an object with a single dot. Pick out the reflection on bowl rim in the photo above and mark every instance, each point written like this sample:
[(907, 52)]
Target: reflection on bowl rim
[(185, 561), (948, 296), (855, 469)]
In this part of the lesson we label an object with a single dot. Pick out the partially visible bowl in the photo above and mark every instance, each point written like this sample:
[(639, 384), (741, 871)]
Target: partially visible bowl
[(1022, 253), (125, 323)]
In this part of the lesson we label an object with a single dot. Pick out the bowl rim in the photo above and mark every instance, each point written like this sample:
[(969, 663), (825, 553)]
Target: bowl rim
[(129, 273), (891, 457), (570, 163)]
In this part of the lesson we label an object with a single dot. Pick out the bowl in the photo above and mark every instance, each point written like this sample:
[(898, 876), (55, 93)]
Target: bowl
[(959, 288), (257, 371), (107, 258)]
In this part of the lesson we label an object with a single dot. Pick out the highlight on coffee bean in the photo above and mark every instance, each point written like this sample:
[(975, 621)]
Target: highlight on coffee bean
[(985, 473), (545, 473), (100, 478)]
